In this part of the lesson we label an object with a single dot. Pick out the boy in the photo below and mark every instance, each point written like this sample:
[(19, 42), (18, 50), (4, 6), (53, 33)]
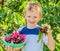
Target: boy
[(32, 15)]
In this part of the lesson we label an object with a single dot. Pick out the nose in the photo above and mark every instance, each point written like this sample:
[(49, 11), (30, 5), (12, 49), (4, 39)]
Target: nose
[(32, 19)]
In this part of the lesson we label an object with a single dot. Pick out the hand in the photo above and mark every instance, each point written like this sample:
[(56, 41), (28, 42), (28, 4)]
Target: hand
[(48, 28)]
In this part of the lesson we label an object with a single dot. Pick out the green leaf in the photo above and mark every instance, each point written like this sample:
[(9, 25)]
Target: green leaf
[(40, 36), (3, 12)]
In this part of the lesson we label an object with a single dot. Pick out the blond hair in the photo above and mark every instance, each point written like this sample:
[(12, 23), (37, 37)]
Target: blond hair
[(34, 5)]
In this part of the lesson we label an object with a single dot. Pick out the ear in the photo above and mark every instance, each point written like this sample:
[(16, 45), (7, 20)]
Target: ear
[(24, 14), (40, 16)]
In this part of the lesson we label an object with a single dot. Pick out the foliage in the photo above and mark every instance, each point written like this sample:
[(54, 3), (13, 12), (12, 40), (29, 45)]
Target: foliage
[(11, 16)]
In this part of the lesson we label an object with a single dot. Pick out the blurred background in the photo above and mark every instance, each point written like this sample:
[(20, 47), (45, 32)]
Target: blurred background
[(11, 17)]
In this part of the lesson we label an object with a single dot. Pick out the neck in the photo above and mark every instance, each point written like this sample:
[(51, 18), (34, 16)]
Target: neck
[(31, 27)]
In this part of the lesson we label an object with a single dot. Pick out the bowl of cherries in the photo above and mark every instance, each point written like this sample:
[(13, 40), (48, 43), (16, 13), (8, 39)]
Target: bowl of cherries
[(15, 39)]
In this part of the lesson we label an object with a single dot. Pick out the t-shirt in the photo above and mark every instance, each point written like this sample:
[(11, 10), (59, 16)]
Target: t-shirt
[(32, 37)]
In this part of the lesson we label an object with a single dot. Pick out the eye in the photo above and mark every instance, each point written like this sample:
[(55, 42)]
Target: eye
[(35, 16), (29, 16)]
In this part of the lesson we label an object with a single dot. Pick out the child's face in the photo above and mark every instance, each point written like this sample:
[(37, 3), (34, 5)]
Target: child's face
[(32, 18)]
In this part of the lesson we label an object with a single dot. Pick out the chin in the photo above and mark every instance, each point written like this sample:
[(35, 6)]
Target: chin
[(33, 24)]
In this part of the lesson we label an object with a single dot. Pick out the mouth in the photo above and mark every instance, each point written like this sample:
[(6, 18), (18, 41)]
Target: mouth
[(31, 22)]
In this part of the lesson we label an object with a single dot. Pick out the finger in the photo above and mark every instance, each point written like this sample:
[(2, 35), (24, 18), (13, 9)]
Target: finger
[(8, 48), (5, 48), (44, 25), (47, 26), (13, 49)]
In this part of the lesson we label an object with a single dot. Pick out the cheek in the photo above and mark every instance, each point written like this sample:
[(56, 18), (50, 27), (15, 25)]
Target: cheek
[(37, 20), (27, 19)]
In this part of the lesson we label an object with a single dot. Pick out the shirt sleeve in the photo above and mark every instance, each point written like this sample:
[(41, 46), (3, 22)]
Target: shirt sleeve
[(45, 39), (20, 28)]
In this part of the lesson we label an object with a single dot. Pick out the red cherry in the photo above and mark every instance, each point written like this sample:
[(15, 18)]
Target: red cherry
[(45, 31), (8, 39)]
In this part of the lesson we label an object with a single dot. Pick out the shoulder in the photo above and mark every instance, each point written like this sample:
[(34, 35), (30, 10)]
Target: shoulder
[(38, 26), (21, 28)]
